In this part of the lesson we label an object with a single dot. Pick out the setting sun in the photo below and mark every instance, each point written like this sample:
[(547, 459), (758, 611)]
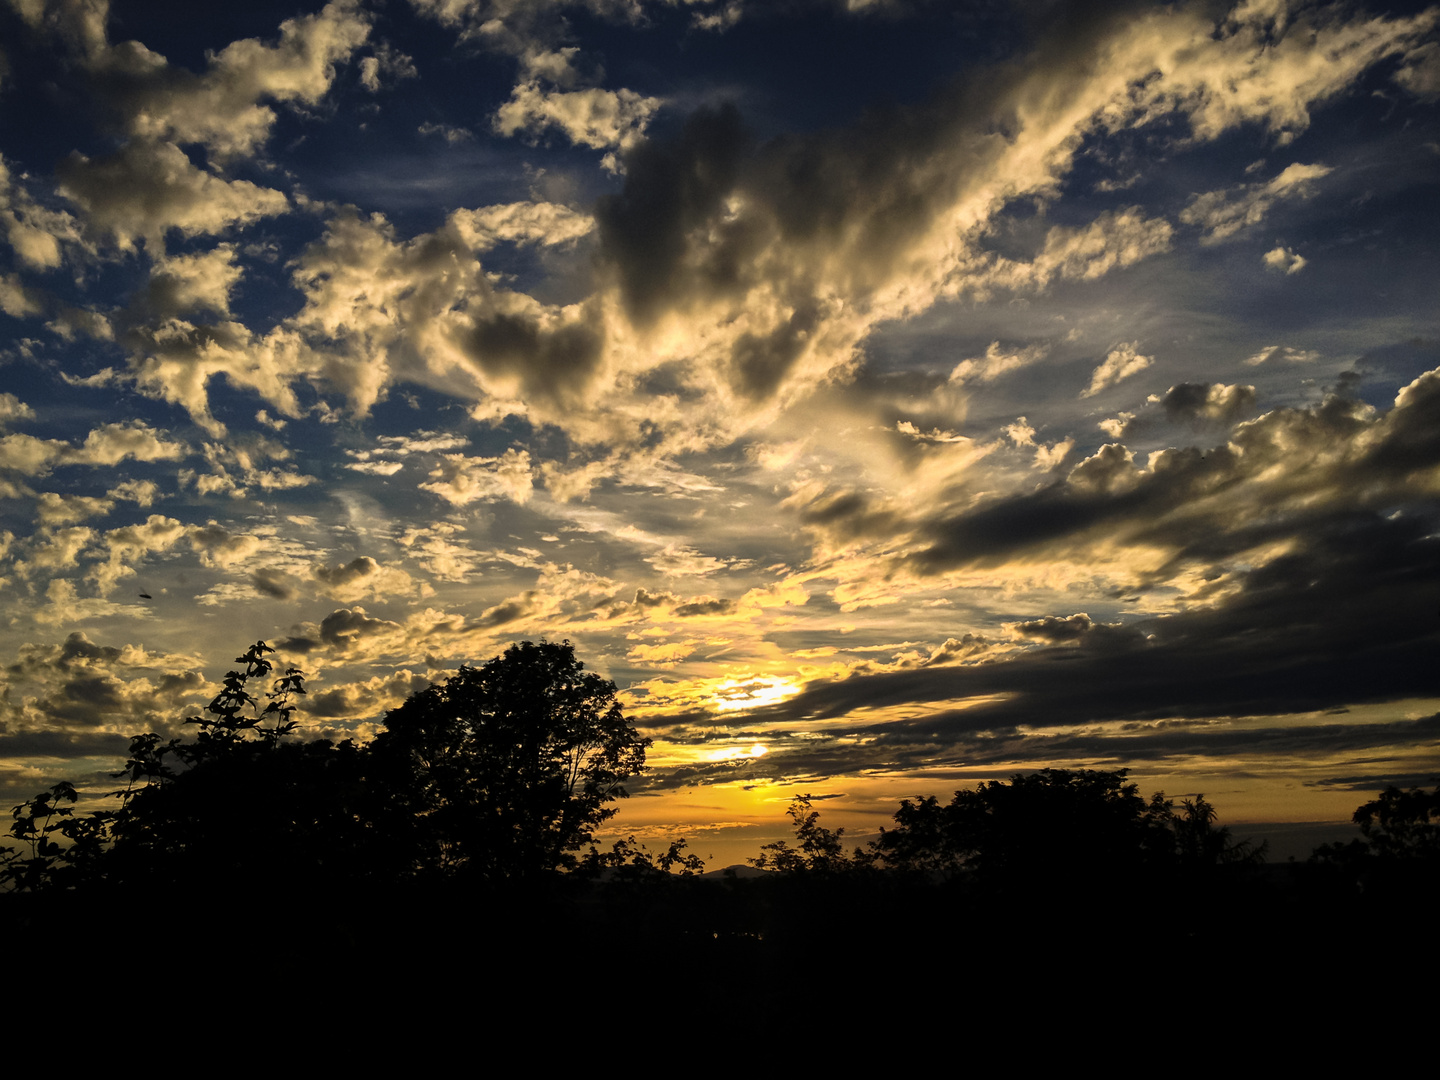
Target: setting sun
[(886, 397)]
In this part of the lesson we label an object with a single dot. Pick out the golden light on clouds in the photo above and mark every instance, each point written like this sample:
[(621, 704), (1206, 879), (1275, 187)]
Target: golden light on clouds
[(737, 753), (748, 693), (873, 447)]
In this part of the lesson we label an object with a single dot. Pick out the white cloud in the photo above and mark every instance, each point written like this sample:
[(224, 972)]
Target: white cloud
[(451, 135), (543, 223), (1113, 240), (1021, 434), (218, 547), (440, 553), (1224, 213), (1282, 352), (108, 444), (422, 442), (18, 300), (1266, 65), (54, 550), (1049, 457), (146, 189), (1283, 258), (909, 211), (996, 362), (240, 465), (386, 61), (1420, 74), (460, 480), (175, 359), (52, 509), (140, 492), (12, 409), (222, 109), (202, 280), (34, 232), (600, 119), (375, 468), (1122, 362), (129, 544), (64, 606), (111, 444)]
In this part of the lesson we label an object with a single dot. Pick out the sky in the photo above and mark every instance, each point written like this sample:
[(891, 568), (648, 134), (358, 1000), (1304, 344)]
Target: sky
[(888, 396)]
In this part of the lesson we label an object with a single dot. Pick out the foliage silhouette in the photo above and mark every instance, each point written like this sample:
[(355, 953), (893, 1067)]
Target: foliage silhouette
[(1400, 845), (502, 772), (1199, 843), (818, 851), (628, 859), (236, 806), (59, 845), (1402, 824), (1053, 821), (505, 770), (239, 806)]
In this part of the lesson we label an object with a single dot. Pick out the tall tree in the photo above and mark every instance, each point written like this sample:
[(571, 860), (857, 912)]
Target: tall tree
[(505, 770)]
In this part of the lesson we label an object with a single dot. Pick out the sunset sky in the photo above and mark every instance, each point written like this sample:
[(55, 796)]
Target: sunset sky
[(888, 395)]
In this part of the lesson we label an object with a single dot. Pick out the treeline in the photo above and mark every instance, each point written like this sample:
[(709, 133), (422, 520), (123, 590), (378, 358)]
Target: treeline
[(482, 795), (499, 775)]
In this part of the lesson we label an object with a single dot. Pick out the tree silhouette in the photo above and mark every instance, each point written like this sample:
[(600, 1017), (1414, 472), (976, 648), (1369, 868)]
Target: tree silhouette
[(1199, 843), (505, 770), (818, 850), (1402, 824), (242, 807), (501, 773), (1056, 821), (237, 807)]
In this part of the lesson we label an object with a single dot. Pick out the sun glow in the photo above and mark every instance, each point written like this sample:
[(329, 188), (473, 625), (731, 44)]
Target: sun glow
[(734, 694), (739, 753)]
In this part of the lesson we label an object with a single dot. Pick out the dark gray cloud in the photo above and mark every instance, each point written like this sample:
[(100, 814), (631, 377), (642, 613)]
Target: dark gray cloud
[(78, 689), (273, 583), (823, 362), (1195, 403), (509, 611), (1353, 616), (704, 606), (935, 755), (345, 627), (671, 190), (62, 744), (1195, 406), (1054, 630), (553, 364), (79, 647), (367, 699), (760, 362), (1283, 475)]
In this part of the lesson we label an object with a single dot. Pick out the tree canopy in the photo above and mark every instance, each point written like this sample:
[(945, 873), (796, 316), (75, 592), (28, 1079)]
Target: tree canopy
[(1078, 823), (505, 770), (1054, 819), (502, 771)]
